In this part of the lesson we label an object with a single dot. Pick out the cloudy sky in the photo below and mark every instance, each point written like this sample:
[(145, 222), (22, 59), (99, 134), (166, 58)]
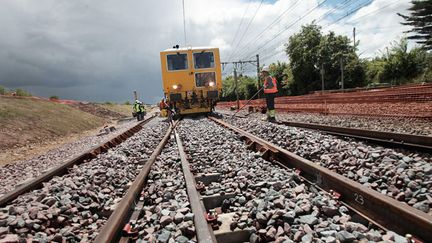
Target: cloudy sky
[(100, 50)]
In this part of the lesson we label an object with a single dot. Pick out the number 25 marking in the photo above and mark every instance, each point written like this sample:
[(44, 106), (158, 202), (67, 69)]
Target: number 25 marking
[(359, 198)]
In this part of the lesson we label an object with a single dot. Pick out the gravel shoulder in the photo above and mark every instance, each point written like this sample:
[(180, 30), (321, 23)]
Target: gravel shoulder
[(22, 170)]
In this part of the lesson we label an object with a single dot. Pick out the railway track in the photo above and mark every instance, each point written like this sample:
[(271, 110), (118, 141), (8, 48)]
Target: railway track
[(389, 139), (399, 173), (229, 191), (234, 187)]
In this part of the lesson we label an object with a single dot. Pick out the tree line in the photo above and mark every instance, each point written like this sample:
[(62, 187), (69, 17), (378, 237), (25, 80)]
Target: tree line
[(313, 55)]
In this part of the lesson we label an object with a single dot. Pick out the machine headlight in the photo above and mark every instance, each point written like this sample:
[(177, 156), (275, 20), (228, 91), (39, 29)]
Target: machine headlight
[(175, 86), (211, 83)]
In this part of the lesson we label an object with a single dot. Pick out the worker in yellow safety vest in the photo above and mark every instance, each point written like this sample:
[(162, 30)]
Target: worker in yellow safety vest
[(139, 110), (270, 92)]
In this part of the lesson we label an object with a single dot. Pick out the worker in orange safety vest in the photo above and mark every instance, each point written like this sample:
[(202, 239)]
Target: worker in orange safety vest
[(270, 92)]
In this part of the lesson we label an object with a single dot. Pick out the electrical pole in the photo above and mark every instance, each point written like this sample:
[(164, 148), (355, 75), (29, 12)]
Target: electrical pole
[(236, 87), (354, 31), (322, 78), (342, 73), (258, 74), (235, 73), (135, 95)]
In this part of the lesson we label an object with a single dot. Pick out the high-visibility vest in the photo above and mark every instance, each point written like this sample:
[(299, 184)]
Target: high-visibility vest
[(270, 85), (136, 107)]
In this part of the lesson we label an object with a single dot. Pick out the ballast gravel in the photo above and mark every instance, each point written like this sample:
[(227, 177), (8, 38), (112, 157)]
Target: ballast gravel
[(401, 174), (166, 215), (74, 207), (271, 202)]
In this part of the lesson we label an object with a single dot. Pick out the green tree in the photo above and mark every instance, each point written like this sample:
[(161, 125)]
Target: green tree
[(374, 70), (282, 72), (54, 97), (310, 50), (247, 87), (302, 49), (2, 90), (127, 103), (401, 65), (420, 19)]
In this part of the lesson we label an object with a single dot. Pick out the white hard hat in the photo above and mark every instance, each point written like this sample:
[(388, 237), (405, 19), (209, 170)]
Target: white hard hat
[(265, 69)]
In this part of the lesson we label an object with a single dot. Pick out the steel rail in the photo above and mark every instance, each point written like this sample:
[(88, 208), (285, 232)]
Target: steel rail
[(204, 232), (386, 211), (111, 231), (397, 140), (63, 167), (410, 141)]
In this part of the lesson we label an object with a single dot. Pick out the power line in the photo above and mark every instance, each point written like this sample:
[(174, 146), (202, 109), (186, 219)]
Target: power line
[(343, 4), (346, 15), (320, 18), (377, 10), (238, 28), (247, 28), (349, 13), (289, 26), (277, 20)]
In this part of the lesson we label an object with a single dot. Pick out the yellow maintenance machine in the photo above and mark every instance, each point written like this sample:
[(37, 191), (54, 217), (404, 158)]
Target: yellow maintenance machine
[(192, 79)]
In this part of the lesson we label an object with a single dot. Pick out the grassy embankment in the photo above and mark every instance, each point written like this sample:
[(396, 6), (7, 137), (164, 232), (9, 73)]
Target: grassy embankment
[(24, 121)]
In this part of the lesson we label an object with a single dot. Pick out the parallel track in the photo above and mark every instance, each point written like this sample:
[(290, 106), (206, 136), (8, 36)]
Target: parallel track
[(380, 209), (398, 140), (389, 139)]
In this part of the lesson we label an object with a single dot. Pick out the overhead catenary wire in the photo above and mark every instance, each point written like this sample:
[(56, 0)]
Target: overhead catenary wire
[(377, 10), (248, 26), (339, 19), (343, 4), (287, 27), (238, 28), (277, 20)]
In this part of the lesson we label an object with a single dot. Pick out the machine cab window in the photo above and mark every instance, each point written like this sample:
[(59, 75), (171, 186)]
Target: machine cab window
[(177, 61), (203, 60), (205, 79)]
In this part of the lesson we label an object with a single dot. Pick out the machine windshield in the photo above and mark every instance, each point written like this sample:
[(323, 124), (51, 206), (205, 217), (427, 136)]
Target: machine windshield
[(203, 79), (204, 60), (177, 62)]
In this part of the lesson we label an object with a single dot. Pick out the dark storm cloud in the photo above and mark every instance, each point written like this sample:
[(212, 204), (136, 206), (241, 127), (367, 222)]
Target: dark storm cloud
[(83, 49)]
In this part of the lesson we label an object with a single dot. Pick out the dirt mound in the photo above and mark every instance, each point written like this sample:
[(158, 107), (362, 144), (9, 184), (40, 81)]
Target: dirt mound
[(97, 110)]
